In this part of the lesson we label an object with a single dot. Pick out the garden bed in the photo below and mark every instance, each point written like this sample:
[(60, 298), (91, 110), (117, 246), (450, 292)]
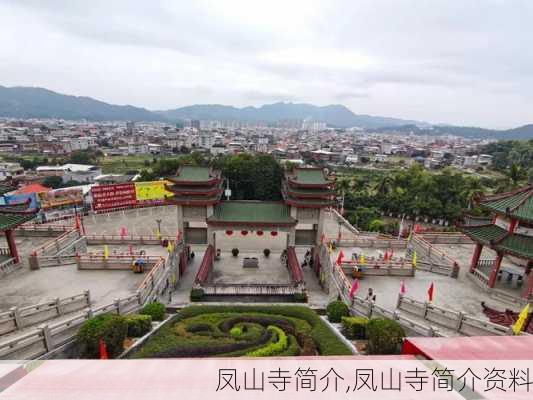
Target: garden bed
[(235, 331)]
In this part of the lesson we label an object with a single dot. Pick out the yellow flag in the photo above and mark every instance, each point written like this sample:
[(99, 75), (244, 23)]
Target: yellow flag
[(519, 324), (362, 259), (330, 248), (106, 252), (169, 247), (158, 234), (414, 259)]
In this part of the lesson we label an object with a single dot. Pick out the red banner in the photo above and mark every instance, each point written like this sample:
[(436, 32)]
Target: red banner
[(106, 197)]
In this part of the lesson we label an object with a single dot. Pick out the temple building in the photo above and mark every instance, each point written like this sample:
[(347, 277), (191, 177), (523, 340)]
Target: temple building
[(308, 192), (509, 233), (196, 191)]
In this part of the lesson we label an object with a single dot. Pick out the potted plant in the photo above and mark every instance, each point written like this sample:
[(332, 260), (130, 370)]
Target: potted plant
[(235, 252), (266, 252)]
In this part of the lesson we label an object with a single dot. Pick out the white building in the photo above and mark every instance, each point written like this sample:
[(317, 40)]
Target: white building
[(9, 170)]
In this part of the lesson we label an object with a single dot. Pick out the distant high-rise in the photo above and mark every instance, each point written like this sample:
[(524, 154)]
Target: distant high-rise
[(130, 126), (195, 123)]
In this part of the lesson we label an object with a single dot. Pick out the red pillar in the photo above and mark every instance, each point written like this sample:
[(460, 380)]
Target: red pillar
[(10, 237), (475, 256), (512, 225), (528, 285), (495, 269)]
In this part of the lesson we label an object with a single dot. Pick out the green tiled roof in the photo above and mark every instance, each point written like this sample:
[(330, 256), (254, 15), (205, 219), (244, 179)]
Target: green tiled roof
[(310, 192), (193, 174), (310, 176), (519, 203), (252, 212), (519, 245), (484, 233), (9, 221)]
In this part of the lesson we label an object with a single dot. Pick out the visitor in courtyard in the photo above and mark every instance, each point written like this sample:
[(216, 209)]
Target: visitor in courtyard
[(140, 263), (307, 259), (370, 296)]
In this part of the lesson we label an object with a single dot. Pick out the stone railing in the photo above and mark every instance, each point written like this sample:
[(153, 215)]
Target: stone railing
[(58, 251), (9, 265), (56, 245), (47, 338), (18, 318), (126, 239), (445, 238), (380, 268), (455, 321), (431, 258), (374, 242), (252, 289), (114, 262)]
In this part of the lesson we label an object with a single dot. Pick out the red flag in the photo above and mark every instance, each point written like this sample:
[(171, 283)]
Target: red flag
[(340, 257), (178, 235), (130, 249), (430, 292), (402, 288), (386, 256), (102, 349), (354, 288), (322, 238)]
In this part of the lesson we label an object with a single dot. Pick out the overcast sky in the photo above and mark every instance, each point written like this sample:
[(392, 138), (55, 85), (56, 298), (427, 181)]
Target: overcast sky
[(461, 62)]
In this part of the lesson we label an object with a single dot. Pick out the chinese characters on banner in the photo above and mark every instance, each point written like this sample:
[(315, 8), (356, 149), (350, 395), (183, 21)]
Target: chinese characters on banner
[(106, 197)]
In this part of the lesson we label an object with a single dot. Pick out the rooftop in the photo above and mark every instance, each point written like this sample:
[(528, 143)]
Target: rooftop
[(252, 212), (309, 176), (517, 204)]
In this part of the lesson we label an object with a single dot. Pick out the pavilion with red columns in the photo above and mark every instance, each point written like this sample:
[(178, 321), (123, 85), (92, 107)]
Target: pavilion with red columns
[(509, 232), (12, 216)]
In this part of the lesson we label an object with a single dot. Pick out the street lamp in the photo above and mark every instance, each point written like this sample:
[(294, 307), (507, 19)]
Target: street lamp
[(159, 226)]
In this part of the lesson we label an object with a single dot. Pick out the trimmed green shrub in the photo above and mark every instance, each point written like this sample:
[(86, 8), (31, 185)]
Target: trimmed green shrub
[(336, 310), (138, 325), (354, 327), (197, 294), (235, 252), (300, 297), (266, 252), (109, 327), (385, 336), (235, 331), (156, 310), (293, 349), (273, 348)]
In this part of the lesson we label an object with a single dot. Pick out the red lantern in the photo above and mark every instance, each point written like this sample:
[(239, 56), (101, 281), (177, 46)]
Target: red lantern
[(229, 233), (244, 233), (259, 233), (274, 233)]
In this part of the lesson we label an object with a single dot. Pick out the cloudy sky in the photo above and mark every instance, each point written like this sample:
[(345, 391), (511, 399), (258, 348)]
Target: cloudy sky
[(461, 62)]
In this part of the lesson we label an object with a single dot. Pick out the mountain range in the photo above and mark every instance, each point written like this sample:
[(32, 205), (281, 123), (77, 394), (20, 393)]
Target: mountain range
[(34, 102)]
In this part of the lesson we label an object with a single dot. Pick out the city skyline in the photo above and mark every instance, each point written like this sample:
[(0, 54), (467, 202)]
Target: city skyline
[(450, 63)]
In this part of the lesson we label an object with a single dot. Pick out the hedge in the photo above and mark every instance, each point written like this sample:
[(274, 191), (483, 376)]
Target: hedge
[(278, 346), (197, 294), (336, 310), (138, 325), (326, 341), (385, 336), (156, 310), (354, 327), (109, 327)]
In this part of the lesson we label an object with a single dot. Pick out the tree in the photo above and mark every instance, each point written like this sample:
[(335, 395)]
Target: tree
[(251, 177), (53, 182)]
